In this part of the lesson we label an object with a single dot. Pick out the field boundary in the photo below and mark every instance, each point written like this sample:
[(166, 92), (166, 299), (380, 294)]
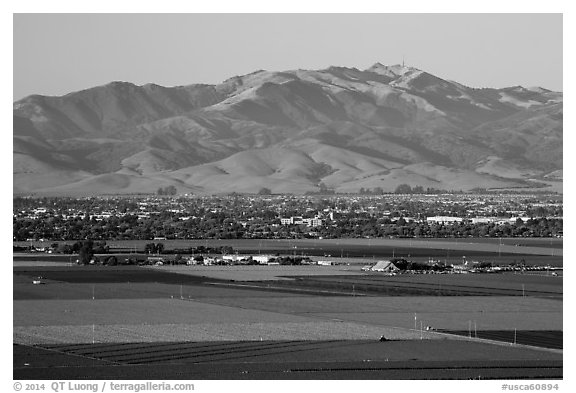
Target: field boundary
[(496, 342)]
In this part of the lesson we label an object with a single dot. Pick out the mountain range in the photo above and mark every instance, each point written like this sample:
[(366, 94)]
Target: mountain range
[(290, 132)]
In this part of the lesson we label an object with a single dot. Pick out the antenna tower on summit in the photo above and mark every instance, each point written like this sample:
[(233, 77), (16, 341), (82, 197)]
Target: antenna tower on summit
[(402, 61)]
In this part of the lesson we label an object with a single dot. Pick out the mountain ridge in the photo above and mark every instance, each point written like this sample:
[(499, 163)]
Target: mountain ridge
[(406, 125)]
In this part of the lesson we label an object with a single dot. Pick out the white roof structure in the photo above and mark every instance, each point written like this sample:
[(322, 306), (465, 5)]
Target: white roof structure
[(384, 266)]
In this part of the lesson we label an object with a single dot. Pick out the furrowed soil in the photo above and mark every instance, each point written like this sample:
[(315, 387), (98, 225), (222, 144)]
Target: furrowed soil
[(413, 359)]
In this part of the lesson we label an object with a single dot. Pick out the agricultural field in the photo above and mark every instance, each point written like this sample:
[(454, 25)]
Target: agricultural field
[(282, 322), (313, 330), (450, 313), (355, 252), (481, 284), (272, 360), (261, 273), (357, 247), (550, 339)]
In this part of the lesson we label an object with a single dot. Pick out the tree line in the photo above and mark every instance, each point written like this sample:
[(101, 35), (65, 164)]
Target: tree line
[(90, 251)]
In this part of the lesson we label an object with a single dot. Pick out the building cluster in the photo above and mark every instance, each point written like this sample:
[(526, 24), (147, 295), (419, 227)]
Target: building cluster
[(402, 266), (273, 217), (477, 220), (231, 259), (311, 222)]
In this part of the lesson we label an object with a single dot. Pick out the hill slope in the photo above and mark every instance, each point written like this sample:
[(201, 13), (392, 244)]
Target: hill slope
[(289, 131)]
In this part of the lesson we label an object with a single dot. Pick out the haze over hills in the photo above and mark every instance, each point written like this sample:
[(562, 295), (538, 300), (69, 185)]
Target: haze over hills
[(290, 132)]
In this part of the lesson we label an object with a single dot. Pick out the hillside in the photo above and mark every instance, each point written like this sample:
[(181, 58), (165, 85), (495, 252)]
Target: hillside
[(289, 131)]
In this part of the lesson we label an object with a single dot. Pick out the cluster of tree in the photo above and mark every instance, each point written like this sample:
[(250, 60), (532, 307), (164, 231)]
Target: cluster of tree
[(346, 226), (406, 189), (202, 250), (368, 191), (323, 189), (113, 260), (86, 250), (404, 264), (119, 204), (378, 228), (154, 248), (158, 248), (90, 246), (288, 260), (168, 190)]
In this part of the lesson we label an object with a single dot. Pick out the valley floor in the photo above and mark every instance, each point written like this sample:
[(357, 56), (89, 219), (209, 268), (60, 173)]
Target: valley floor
[(141, 323)]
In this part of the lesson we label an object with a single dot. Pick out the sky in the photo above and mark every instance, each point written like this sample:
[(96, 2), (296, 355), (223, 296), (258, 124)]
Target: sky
[(55, 54)]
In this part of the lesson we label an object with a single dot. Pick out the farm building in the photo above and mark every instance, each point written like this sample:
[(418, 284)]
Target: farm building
[(384, 266)]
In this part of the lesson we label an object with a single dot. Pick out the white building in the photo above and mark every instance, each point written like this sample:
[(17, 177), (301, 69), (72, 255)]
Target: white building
[(311, 222), (483, 220), (385, 267), (443, 219), (262, 259)]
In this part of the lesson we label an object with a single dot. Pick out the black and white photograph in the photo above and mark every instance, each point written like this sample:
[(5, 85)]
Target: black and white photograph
[(256, 196)]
